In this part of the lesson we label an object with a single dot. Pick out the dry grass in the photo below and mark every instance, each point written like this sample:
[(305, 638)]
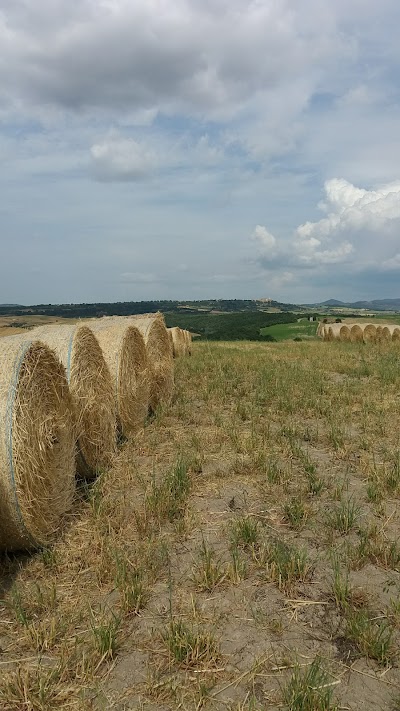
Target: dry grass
[(242, 553)]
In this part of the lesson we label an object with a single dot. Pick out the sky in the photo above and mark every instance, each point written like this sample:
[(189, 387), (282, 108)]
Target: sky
[(194, 149)]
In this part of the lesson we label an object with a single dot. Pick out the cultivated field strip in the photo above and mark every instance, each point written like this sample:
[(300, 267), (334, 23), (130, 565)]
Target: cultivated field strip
[(242, 553)]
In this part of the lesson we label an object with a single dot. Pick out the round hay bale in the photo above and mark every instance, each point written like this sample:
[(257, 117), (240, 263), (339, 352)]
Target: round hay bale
[(37, 444), (159, 356), (124, 351), (388, 332), (334, 331), (344, 333), (320, 329), (178, 341), (356, 333), (188, 342), (396, 333), (369, 333), (379, 334), (171, 341), (92, 393)]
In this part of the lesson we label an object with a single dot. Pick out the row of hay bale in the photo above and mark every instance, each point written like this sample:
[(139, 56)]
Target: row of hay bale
[(65, 394), (181, 341), (358, 332)]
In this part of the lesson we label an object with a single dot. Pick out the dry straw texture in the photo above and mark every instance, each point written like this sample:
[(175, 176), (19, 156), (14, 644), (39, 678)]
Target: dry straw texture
[(387, 332), (334, 332), (369, 333), (344, 333), (159, 356), (379, 336), (92, 393), (179, 342), (356, 333), (188, 337), (124, 351), (37, 444)]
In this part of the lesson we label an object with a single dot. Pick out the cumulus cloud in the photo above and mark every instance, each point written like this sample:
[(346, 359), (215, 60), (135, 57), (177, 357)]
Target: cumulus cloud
[(121, 159), (265, 239), (361, 230), (350, 208)]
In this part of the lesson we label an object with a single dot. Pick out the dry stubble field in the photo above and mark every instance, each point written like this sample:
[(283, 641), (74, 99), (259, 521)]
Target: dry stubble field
[(242, 554)]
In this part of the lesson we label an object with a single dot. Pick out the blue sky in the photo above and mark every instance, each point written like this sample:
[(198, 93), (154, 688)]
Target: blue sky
[(199, 149)]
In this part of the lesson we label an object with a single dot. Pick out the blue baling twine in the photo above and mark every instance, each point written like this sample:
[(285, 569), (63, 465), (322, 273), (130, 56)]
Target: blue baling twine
[(9, 437)]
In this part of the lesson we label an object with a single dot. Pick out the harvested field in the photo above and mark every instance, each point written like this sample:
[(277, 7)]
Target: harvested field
[(243, 553)]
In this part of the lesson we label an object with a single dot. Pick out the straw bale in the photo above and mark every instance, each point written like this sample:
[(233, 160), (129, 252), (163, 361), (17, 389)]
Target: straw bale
[(92, 393), (369, 333), (396, 333), (125, 353), (356, 333), (188, 336), (178, 341), (344, 333), (389, 331), (379, 334), (334, 331), (37, 444), (159, 356)]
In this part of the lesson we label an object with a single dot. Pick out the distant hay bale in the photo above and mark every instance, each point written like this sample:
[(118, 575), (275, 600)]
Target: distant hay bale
[(37, 444), (159, 356), (389, 331), (188, 336), (396, 333), (178, 341), (379, 333), (320, 329), (344, 333), (334, 331), (92, 393), (356, 333), (369, 333), (124, 351)]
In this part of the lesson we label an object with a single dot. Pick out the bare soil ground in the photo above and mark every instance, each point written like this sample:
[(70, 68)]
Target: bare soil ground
[(242, 554)]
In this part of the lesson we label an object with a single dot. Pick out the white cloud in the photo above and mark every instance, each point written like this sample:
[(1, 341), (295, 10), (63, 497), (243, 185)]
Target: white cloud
[(351, 208), (121, 159), (265, 239)]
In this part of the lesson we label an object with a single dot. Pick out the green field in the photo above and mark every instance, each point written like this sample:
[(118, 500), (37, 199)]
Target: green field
[(288, 331)]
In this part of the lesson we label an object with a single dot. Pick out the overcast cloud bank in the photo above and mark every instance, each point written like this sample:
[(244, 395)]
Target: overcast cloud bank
[(135, 137)]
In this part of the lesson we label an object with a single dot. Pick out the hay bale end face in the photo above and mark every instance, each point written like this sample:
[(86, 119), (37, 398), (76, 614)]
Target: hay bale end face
[(159, 356), (92, 393), (356, 333), (369, 333), (178, 341), (124, 351), (37, 444)]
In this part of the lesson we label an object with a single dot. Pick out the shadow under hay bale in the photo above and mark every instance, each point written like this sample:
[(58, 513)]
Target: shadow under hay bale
[(92, 394), (37, 449), (124, 351), (159, 356)]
